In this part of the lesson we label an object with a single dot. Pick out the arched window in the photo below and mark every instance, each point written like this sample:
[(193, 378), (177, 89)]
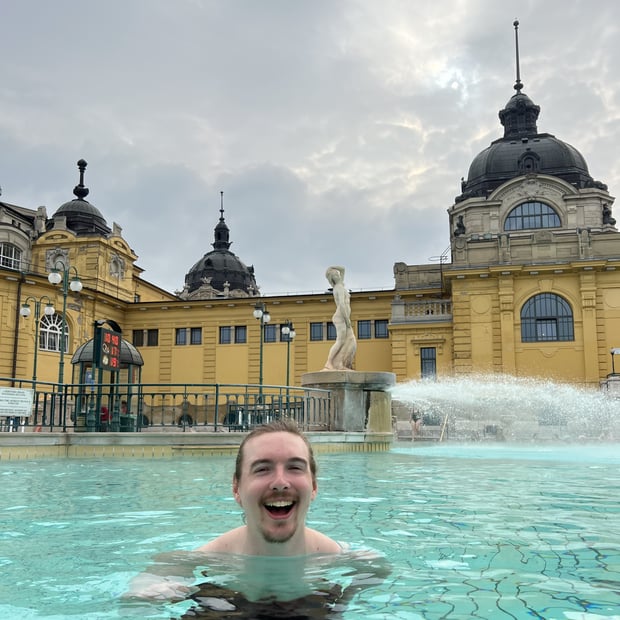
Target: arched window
[(532, 215), (10, 256), (50, 329), (546, 317)]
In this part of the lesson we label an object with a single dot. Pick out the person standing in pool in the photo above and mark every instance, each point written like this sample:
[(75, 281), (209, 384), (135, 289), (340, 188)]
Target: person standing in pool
[(274, 483)]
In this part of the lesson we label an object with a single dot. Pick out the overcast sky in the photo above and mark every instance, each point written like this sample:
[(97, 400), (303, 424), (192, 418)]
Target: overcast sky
[(338, 130)]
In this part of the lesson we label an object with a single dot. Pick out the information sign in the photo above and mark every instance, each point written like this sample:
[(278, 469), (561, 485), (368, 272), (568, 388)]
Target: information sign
[(16, 402)]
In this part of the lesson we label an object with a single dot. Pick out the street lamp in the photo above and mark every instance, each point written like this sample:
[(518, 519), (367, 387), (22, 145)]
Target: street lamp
[(614, 352), (262, 316), (25, 312), (61, 273), (288, 331)]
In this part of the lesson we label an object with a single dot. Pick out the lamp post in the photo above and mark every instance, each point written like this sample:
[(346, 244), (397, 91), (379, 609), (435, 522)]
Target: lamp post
[(61, 274), (25, 312), (614, 352), (288, 331), (262, 316)]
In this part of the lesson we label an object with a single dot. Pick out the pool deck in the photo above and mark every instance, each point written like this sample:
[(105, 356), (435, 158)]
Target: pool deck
[(34, 445)]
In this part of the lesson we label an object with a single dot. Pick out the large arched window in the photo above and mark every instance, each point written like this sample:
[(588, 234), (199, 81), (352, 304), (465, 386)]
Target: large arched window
[(50, 329), (532, 215), (10, 256), (546, 317)]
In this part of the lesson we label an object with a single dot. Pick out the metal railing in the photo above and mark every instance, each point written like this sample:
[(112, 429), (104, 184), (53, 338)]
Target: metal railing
[(84, 407)]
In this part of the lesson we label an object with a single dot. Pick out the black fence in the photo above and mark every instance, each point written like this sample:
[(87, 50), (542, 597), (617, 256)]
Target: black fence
[(150, 407)]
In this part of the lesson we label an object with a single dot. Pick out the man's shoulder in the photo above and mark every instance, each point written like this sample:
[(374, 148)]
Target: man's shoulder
[(317, 542), (226, 543)]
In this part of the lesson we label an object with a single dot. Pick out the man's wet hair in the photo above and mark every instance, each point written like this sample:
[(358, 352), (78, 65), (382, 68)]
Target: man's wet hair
[(282, 425)]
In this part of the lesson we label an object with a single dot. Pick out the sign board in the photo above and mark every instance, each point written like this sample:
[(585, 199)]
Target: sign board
[(16, 402), (109, 350)]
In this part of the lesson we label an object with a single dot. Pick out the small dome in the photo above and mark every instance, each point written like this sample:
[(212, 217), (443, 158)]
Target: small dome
[(220, 272), (129, 354), (221, 269), (81, 216)]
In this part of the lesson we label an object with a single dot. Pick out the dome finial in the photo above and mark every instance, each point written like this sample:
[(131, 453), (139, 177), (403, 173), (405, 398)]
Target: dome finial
[(518, 84), (79, 190), (222, 233)]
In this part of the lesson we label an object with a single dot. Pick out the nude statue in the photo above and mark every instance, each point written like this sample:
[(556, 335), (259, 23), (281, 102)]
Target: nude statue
[(342, 353)]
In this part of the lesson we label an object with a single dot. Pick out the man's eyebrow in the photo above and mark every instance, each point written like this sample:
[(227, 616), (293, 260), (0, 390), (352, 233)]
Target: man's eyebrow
[(296, 460), (258, 462)]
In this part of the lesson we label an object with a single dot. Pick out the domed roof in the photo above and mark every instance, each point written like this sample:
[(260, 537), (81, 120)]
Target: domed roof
[(129, 354), (81, 216), (220, 272), (523, 150)]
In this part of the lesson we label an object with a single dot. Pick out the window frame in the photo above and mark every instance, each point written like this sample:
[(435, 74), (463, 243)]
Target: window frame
[(547, 317), (316, 332), (50, 330), (381, 328), (10, 255), (195, 336), (532, 215), (364, 329)]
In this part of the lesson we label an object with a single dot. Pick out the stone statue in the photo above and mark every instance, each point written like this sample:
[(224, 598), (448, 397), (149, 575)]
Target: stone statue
[(342, 353)]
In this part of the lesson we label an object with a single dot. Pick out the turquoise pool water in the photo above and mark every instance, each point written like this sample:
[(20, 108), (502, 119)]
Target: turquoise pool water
[(488, 531)]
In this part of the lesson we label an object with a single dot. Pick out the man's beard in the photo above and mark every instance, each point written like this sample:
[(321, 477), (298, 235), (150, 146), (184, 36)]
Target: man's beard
[(267, 537)]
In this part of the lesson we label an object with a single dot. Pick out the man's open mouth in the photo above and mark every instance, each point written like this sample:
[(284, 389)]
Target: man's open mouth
[(280, 507)]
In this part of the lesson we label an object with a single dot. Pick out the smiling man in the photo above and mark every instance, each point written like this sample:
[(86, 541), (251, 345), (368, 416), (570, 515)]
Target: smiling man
[(274, 482)]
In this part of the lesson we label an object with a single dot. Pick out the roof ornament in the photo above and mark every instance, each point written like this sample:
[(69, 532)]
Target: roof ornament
[(222, 233), (79, 190), (518, 84)]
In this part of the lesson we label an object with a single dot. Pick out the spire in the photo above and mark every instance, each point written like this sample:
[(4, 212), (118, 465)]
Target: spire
[(521, 113), (518, 84), (222, 233), (79, 190)]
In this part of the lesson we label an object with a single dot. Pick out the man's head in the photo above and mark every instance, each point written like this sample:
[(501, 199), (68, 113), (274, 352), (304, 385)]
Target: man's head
[(278, 426), (274, 483)]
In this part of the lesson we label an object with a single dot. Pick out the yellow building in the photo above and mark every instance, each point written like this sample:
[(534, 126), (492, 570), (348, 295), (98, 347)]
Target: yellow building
[(531, 287)]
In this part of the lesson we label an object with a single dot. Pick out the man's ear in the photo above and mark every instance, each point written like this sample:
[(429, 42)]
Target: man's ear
[(315, 489), (235, 488)]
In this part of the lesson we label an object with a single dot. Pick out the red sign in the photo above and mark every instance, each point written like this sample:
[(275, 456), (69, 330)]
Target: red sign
[(110, 352)]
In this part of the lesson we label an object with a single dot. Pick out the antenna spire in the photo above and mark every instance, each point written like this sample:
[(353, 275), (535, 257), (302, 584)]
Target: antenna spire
[(221, 205), (518, 84)]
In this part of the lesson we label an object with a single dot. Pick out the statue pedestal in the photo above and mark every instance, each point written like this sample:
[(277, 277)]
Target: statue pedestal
[(361, 401)]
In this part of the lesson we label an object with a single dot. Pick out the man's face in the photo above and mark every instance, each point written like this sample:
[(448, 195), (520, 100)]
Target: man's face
[(276, 486)]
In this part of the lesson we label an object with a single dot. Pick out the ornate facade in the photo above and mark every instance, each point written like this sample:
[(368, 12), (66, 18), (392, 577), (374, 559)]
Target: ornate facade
[(531, 286)]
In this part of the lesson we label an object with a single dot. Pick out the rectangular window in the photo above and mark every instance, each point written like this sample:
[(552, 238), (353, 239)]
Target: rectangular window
[(316, 331), (364, 330), (241, 334), (152, 337), (138, 338), (225, 334), (428, 362), (546, 329), (196, 335), (270, 333), (180, 337), (381, 328), (331, 331)]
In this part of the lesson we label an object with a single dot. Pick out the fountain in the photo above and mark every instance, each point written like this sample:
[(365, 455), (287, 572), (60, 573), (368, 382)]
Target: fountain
[(361, 401), (504, 407)]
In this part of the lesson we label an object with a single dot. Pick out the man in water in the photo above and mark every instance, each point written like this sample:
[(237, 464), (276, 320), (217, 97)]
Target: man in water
[(274, 483)]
